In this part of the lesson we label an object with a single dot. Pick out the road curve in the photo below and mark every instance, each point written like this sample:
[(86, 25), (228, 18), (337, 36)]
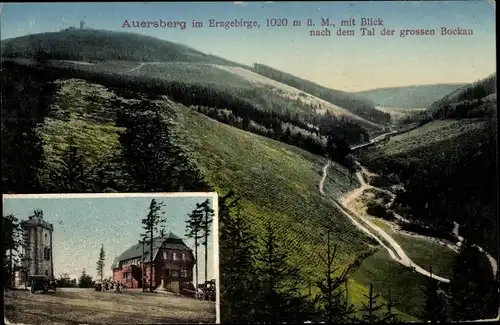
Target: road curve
[(395, 250)]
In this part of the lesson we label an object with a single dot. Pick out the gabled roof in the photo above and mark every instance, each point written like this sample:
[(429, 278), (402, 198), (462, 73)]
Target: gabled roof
[(170, 240)]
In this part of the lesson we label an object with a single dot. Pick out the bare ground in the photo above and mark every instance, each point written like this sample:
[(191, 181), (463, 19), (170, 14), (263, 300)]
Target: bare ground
[(72, 306)]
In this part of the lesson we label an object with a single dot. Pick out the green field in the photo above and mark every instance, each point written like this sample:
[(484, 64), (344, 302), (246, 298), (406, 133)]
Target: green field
[(424, 252), (428, 138)]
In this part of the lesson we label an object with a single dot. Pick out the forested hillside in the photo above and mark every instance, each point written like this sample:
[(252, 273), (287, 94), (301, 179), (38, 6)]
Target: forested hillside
[(475, 100), (448, 165), (348, 101), (236, 106), (71, 135), (95, 45)]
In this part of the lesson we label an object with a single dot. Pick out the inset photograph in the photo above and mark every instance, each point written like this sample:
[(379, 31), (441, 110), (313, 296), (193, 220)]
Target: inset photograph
[(110, 258)]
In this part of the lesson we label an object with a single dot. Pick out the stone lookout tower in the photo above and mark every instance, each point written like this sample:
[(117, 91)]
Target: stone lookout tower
[(38, 250)]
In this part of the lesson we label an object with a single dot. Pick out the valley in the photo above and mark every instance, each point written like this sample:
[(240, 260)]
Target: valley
[(187, 121)]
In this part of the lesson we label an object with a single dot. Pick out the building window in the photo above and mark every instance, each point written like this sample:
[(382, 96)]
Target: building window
[(46, 235), (183, 256), (174, 256), (184, 272), (46, 272), (175, 273), (165, 256), (127, 275), (46, 253)]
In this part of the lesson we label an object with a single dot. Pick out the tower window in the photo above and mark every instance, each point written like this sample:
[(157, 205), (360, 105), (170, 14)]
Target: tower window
[(46, 235), (46, 254)]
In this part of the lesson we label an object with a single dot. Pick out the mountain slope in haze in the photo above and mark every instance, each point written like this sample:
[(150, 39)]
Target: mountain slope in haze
[(101, 45), (318, 105), (474, 100), (348, 101), (448, 164), (418, 96)]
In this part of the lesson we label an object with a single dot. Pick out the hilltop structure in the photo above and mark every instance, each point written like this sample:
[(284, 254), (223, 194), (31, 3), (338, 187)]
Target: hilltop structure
[(38, 258), (173, 263)]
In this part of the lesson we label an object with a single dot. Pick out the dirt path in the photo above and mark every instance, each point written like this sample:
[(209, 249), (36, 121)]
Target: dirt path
[(395, 250), (72, 306)]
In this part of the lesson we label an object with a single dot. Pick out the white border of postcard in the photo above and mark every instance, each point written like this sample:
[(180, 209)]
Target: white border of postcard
[(215, 221)]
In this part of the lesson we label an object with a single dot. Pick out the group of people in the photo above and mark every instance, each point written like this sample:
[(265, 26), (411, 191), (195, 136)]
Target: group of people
[(108, 285)]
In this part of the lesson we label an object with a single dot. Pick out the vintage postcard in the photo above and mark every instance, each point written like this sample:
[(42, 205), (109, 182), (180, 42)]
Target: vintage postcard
[(352, 146), (111, 258)]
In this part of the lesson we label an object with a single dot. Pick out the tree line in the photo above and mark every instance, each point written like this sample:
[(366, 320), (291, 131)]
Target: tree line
[(305, 130), (259, 284), (468, 102), (351, 102)]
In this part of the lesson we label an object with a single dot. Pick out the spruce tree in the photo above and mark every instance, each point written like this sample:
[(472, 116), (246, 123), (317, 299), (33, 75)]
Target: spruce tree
[(153, 225), (371, 308), (194, 226), (332, 301), (389, 316), (100, 263), (435, 308), (206, 225), (72, 176), (472, 289), (85, 280), (237, 246), (10, 229), (279, 299)]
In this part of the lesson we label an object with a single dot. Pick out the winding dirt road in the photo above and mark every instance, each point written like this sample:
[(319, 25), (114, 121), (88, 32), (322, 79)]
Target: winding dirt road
[(395, 251)]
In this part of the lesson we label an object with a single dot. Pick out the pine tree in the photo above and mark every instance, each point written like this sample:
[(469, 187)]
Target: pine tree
[(100, 263), (435, 308), (194, 226), (472, 288), (332, 302), (389, 316), (237, 264), (152, 225), (72, 176), (371, 309), (206, 224), (10, 229), (85, 280), (279, 299)]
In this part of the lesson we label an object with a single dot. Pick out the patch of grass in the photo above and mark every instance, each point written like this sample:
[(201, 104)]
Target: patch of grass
[(427, 253), (423, 137), (385, 274)]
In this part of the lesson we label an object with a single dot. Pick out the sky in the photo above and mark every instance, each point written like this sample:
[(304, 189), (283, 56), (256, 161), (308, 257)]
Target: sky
[(349, 63), (82, 225)]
